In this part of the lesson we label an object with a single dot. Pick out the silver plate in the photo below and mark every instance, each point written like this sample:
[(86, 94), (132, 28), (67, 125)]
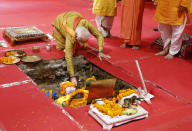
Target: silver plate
[(31, 59)]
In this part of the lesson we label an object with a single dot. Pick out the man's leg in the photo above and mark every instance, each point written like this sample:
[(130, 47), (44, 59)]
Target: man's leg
[(176, 41), (164, 52), (125, 44), (166, 32), (135, 47), (99, 20), (107, 23)]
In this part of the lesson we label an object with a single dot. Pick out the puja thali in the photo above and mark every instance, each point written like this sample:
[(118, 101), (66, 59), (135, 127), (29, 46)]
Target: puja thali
[(108, 122), (9, 60), (19, 34), (31, 59), (15, 53)]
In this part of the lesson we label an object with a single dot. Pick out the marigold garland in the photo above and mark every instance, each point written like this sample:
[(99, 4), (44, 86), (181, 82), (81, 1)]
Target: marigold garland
[(11, 53), (124, 93), (80, 101), (109, 108), (64, 86), (91, 79), (7, 60)]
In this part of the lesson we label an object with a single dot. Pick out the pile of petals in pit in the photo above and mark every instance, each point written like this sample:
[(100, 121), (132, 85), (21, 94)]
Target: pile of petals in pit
[(122, 103), (70, 95)]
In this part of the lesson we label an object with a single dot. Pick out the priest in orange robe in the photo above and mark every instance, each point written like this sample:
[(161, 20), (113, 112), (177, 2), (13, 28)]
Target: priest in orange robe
[(131, 23), (172, 16)]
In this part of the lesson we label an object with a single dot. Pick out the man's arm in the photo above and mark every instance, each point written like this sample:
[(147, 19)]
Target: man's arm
[(185, 5), (69, 59), (94, 31), (69, 56), (155, 2)]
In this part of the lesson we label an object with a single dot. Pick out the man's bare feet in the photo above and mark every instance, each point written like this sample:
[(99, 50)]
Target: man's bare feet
[(123, 45), (161, 53), (164, 52), (109, 35), (169, 56), (135, 47)]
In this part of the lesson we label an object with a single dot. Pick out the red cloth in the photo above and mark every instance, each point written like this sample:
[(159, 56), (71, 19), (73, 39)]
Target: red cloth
[(17, 103), (24, 107)]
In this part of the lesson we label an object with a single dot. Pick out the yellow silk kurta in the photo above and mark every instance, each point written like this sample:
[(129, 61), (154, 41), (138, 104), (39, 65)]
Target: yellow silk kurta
[(191, 7), (105, 7), (66, 41), (167, 12)]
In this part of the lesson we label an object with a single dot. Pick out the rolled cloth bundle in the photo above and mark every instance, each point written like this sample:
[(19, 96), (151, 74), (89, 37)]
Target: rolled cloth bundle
[(101, 88)]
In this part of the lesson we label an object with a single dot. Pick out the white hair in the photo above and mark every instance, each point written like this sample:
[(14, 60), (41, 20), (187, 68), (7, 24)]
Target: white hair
[(82, 32)]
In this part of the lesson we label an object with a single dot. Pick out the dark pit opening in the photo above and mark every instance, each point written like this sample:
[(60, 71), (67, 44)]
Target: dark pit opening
[(48, 74)]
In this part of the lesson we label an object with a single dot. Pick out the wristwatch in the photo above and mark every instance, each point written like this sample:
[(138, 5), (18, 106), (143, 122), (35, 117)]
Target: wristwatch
[(72, 76), (100, 51)]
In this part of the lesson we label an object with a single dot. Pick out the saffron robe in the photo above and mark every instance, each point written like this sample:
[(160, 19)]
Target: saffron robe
[(64, 34), (131, 21)]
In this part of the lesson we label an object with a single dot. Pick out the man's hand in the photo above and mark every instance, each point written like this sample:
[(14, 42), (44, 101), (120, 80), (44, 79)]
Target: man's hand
[(101, 56), (182, 8), (155, 3), (74, 80), (45, 38)]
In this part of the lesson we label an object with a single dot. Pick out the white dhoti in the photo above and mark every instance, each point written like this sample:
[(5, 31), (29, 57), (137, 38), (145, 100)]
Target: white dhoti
[(104, 24), (173, 35)]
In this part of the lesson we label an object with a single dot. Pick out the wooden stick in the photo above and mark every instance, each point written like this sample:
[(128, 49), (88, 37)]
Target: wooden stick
[(141, 76)]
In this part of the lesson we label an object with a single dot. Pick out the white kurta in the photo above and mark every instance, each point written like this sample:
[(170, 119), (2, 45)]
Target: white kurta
[(173, 35)]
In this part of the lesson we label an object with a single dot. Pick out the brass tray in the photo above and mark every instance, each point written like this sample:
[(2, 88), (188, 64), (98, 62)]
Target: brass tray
[(31, 59), (15, 53)]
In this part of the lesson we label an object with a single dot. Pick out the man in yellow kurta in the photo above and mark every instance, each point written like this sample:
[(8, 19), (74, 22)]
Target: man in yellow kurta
[(105, 11), (70, 31), (172, 16)]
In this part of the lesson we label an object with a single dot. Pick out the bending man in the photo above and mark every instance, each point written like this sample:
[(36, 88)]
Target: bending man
[(71, 31)]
